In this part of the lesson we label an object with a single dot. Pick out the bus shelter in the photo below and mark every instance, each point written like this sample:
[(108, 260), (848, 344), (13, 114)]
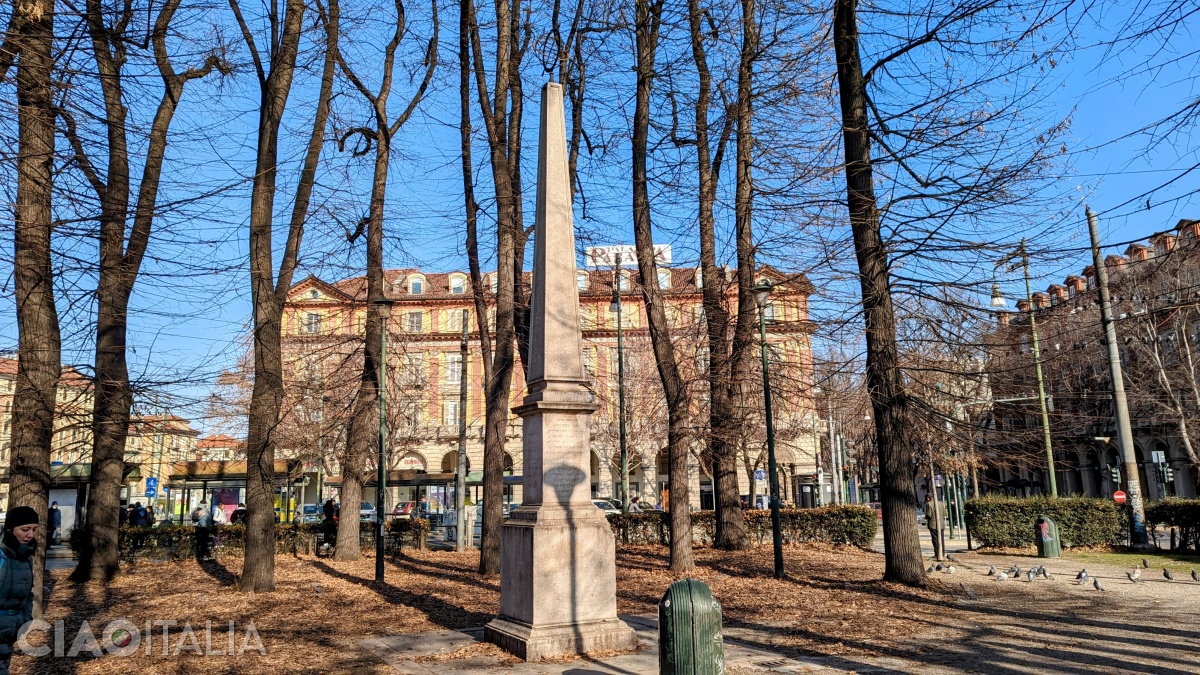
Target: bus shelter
[(222, 484)]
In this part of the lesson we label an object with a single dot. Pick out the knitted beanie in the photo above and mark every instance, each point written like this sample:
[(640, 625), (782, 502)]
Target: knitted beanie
[(20, 515)]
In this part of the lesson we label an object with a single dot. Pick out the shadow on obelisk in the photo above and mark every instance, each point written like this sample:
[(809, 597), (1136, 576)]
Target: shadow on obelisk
[(570, 477)]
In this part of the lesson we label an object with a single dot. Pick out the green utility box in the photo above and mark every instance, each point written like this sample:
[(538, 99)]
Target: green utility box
[(689, 631), (1049, 543)]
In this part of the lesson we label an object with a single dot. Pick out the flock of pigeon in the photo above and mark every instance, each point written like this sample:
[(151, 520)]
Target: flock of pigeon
[(1033, 573)]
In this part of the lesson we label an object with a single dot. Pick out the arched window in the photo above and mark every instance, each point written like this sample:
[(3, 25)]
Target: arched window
[(664, 279), (412, 461), (458, 284), (623, 280), (508, 464), (416, 285), (450, 462)]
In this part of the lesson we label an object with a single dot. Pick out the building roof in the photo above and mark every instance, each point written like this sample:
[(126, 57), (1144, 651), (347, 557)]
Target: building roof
[(437, 284), (70, 376), (218, 441)]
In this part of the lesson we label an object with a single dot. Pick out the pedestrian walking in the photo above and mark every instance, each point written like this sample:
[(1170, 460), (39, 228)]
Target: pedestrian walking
[(16, 577), (238, 517), (634, 506)]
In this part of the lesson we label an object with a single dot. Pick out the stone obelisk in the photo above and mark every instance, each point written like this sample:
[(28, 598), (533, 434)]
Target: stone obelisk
[(558, 587)]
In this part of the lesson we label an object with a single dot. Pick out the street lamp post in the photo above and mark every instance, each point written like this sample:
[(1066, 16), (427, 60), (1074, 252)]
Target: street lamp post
[(615, 306), (762, 293), (999, 301), (383, 307), (464, 539)]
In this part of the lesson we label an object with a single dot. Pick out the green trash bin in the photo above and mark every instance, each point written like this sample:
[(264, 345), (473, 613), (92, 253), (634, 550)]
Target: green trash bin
[(689, 631), (1049, 543)]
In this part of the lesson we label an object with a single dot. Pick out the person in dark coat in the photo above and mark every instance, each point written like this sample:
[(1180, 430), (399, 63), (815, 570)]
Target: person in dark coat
[(55, 523), (238, 517), (16, 577)]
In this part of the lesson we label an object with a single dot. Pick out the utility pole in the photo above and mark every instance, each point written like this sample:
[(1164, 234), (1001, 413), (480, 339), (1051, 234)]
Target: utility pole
[(1120, 404), (998, 301), (464, 539)]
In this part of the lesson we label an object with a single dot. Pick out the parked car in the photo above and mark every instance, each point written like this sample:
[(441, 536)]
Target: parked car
[(405, 510), (606, 506), (367, 513), (878, 509), (307, 513)]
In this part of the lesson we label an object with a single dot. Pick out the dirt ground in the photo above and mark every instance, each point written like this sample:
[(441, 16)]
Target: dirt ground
[(830, 605)]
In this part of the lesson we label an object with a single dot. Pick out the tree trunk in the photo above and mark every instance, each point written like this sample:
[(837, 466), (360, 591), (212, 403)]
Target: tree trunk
[(120, 264), (503, 132), (39, 342), (902, 547), (648, 20), (742, 350), (722, 449), (267, 293)]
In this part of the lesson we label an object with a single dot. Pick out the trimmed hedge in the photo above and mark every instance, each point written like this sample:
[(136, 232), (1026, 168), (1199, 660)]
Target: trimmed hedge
[(178, 541), (854, 525), (996, 521), (1179, 513)]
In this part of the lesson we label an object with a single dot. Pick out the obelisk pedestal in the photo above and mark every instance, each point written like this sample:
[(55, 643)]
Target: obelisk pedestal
[(558, 586)]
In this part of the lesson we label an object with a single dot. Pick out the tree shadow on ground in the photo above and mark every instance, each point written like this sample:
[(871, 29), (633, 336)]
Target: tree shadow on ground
[(219, 572), (435, 609)]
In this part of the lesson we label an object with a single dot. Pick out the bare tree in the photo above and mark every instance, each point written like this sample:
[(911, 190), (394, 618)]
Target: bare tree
[(363, 434), (501, 108), (268, 291), (884, 380), (647, 23), (121, 257), (30, 44)]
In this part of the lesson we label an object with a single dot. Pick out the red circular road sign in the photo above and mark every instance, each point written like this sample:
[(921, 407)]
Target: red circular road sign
[(1119, 497)]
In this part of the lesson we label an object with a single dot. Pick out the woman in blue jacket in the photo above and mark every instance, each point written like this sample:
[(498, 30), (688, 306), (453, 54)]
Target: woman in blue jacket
[(16, 577)]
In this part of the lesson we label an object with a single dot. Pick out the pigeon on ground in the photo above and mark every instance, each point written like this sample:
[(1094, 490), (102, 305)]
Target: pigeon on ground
[(1014, 571), (1145, 563), (1133, 577), (1096, 583), (950, 569), (1195, 577), (1002, 576), (1082, 576), (1031, 574), (1168, 575), (1044, 572), (951, 558), (992, 571), (939, 567), (931, 570)]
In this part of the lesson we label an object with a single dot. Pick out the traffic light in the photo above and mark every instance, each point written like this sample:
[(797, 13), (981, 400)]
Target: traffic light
[(1115, 473), (1168, 473)]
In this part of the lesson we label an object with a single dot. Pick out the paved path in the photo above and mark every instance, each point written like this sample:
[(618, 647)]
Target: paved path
[(429, 654), (952, 545)]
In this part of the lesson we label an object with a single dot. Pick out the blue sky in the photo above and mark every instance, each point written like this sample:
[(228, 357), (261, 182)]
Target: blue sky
[(191, 316)]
